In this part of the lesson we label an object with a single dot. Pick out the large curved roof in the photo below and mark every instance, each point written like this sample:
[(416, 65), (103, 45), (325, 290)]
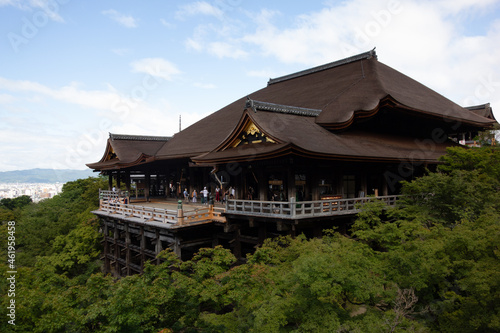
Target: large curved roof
[(304, 112), (343, 91)]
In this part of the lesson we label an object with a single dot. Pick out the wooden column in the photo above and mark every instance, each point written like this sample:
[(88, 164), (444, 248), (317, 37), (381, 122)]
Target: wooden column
[(385, 190), (147, 184), (127, 250), (110, 181), (118, 180), (143, 247), (237, 243), (363, 185), (107, 267), (291, 180), (158, 247), (127, 181), (116, 253), (177, 247), (263, 185)]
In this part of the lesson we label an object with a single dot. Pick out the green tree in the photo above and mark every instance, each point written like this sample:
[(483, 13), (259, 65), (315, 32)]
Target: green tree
[(442, 241), (14, 203)]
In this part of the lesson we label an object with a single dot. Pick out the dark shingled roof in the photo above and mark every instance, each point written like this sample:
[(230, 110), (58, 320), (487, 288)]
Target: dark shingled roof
[(301, 109), (128, 150), (339, 93), (302, 136)]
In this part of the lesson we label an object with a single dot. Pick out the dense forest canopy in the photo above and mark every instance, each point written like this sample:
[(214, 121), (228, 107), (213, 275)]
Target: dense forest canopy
[(431, 264)]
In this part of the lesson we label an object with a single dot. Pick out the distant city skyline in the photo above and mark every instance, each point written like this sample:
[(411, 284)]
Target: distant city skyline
[(75, 71), (36, 191)]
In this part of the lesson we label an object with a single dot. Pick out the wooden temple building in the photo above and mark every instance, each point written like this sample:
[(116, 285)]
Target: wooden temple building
[(298, 154)]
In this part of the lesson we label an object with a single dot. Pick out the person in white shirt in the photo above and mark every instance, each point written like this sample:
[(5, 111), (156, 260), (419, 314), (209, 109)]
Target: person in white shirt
[(205, 196)]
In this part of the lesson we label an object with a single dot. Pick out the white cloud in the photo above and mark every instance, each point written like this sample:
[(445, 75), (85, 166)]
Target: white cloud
[(96, 99), (167, 24), (456, 6), (157, 67), (422, 39), (71, 124), (125, 20), (199, 8), (226, 50), (192, 44), (50, 7), (6, 99), (9, 2)]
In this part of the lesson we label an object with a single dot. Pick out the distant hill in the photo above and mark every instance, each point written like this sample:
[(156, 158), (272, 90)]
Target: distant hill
[(44, 176)]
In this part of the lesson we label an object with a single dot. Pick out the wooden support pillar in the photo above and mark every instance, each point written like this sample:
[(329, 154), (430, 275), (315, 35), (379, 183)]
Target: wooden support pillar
[(118, 180), (192, 181), (237, 243), (107, 267), (263, 185), (158, 247), (363, 185), (314, 180), (127, 181), (385, 189), (147, 185), (158, 184), (127, 250), (291, 180), (110, 181), (143, 247), (177, 247), (116, 254)]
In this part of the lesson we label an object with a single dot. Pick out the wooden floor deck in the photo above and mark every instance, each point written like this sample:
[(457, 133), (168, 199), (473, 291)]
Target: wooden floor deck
[(174, 213)]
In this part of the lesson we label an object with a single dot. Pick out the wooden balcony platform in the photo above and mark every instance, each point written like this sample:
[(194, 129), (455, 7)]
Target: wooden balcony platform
[(168, 214)]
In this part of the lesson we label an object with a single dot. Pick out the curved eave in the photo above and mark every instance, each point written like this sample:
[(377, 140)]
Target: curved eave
[(292, 149), (243, 154), (362, 158), (390, 102), (118, 165)]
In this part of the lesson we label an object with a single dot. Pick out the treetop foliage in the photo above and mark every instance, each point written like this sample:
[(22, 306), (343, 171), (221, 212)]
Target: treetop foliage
[(430, 264)]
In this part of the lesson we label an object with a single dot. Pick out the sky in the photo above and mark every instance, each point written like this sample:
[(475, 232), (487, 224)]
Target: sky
[(71, 72)]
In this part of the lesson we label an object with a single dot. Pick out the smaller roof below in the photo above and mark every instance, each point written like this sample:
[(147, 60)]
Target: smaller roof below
[(483, 110), (128, 150)]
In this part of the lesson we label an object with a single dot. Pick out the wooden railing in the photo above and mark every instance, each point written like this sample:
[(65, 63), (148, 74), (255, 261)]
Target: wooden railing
[(113, 203), (140, 212), (302, 209)]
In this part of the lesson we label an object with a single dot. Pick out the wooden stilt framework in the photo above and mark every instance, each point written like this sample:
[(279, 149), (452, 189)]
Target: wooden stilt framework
[(133, 234)]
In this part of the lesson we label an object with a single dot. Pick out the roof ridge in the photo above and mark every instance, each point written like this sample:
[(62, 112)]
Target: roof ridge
[(114, 137), (280, 108), (365, 55)]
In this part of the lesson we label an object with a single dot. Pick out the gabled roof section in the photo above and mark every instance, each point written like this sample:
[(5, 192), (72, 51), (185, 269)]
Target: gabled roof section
[(128, 150), (247, 131), (484, 110)]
